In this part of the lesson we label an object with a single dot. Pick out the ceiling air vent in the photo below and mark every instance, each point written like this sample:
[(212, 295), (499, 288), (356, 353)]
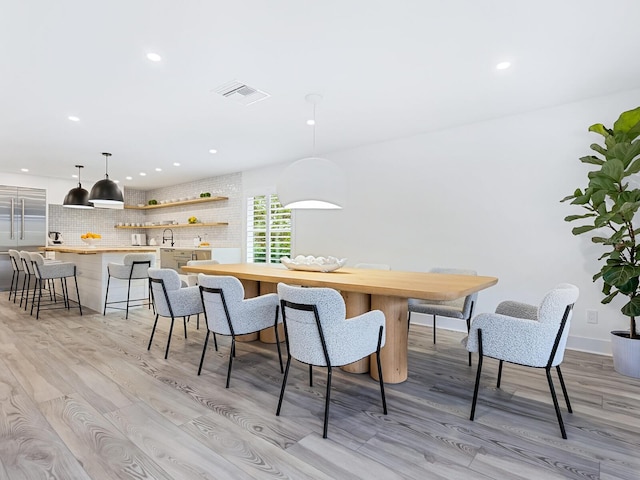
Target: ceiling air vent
[(241, 93)]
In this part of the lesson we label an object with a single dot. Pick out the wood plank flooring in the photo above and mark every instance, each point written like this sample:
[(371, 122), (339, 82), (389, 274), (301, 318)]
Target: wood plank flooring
[(82, 398)]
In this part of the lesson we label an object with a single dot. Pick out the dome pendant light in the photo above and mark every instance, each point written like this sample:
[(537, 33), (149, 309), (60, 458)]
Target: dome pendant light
[(105, 193), (313, 182), (77, 197)]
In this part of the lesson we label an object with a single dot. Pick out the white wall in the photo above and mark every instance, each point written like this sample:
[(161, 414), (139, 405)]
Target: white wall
[(483, 196)]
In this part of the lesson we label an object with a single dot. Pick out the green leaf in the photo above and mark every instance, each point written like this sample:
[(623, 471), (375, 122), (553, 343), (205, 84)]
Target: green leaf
[(601, 181), (632, 309), (581, 200), (604, 255), (571, 218), (610, 297), (633, 152), (630, 287), (598, 197), (599, 128), (626, 122), (582, 229), (618, 275), (592, 160), (614, 169)]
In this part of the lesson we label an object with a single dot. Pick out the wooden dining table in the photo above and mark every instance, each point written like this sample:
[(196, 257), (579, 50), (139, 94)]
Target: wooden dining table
[(363, 290)]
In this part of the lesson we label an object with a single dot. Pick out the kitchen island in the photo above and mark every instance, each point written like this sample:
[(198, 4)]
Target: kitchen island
[(91, 267)]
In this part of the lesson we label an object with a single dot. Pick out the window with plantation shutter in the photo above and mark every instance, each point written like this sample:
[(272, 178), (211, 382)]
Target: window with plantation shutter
[(268, 229)]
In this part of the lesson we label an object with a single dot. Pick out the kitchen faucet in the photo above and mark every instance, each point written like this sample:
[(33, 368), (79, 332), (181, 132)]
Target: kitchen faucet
[(166, 237)]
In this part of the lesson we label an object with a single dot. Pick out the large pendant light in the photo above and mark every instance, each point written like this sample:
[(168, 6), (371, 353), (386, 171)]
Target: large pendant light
[(105, 192), (77, 197), (313, 182)]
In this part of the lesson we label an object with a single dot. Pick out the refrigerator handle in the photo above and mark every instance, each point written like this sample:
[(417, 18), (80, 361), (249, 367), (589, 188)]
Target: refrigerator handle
[(12, 219), (22, 223)]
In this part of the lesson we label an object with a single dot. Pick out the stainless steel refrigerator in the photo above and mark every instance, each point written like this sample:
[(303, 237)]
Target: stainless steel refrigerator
[(22, 225)]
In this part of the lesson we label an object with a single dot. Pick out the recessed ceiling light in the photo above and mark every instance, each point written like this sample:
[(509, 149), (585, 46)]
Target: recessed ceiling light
[(311, 122), (213, 151), (154, 57), (24, 169), (142, 174), (158, 169), (503, 65), (75, 175), (129, 178), (176, 164), (73, 118), (116, 181)]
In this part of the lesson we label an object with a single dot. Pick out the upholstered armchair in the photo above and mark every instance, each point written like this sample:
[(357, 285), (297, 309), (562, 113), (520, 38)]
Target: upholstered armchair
[(528, 335), (318, 333), (461, 308), (171, 300), (228, 313)]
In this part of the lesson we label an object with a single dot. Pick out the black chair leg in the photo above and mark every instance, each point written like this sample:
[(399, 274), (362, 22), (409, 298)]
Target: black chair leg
[(275, 327), (153, 331), (75, 279), (284, 384), (126, 317), (184, 320), (166, 353), (106, 295), (468, 330), (311, 375), (564, 389), (215, 341), (204, 349), (499, 374), (232, 353), (434, 329), (326, 404), (555, 402), (384, 400), (475, 390)]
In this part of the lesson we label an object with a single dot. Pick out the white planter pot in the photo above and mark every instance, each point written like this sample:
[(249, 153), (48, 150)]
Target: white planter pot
[(626, 354)]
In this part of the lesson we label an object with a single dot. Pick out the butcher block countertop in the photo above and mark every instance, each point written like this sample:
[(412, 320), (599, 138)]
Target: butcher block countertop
[(95, 250)]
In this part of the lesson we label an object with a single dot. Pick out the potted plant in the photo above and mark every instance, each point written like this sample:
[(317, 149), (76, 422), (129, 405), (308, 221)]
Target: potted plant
[(611, 203)]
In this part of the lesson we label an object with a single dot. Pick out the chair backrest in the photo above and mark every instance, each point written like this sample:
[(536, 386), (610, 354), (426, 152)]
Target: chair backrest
[(163, 282), (463, 303), (16, 261), (222, 298), (141, 259), (373, 266), (319, 322), (26, 262), (554, 303), (202, 262)]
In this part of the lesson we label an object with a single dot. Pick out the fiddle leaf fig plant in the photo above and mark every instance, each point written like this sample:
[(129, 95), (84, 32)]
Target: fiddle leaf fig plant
[(611, 200)]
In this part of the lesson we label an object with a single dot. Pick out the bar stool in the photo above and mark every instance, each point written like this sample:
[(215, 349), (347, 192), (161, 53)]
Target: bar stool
[(28, 275), (134, 266), (18, 268), (51, 271)]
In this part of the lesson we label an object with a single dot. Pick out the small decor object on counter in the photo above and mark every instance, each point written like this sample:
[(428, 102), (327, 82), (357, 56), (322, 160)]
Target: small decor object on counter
[(310, 263), (205, 195), (192, 220), (91, 239), (153, 202)]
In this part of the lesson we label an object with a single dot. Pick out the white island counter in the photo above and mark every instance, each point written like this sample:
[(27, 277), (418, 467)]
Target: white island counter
[(91, 263)]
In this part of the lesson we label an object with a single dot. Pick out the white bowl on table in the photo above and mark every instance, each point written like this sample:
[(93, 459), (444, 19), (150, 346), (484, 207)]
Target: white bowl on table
[(92, 242)]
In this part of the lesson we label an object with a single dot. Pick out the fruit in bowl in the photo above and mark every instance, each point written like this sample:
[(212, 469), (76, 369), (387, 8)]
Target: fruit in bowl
[(91, 238)]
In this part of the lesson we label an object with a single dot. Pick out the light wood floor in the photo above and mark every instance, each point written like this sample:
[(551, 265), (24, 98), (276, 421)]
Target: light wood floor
[(81, 397)]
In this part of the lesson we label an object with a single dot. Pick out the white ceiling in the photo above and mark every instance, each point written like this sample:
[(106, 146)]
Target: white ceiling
[(385, 69)]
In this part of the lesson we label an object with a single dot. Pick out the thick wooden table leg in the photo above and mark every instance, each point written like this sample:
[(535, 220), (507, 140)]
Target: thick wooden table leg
[(357, 304), (251, 289), (394, 353), (268, 335)]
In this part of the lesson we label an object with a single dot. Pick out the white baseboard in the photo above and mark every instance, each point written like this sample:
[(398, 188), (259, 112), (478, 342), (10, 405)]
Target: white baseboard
[(581, 344)]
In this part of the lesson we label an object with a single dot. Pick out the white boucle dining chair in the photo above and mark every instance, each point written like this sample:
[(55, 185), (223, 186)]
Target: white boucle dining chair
[(171, 300), (134, 266), (528, 335), (460, 308), (318, 333), (48, 272), (227, 312)]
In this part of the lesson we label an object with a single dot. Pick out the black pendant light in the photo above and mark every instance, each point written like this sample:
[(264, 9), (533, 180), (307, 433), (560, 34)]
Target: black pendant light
[(106, 192), (77, 197)]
